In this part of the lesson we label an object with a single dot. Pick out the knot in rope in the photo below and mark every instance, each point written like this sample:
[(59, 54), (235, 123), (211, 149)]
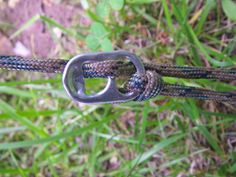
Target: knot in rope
[(148, 85)]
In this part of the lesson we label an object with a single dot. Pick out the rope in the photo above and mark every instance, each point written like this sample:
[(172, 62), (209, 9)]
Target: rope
[(119, 68), (192, 92), (115, 68), (35, 65), (149, 85)]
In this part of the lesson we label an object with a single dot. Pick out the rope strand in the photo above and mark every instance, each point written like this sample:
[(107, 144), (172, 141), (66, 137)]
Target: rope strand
[(149, 85), (35, 65), (199, 93), (115, 68)]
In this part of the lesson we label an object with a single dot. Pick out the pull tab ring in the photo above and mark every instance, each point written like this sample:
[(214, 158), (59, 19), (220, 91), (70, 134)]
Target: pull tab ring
[(73, 79)]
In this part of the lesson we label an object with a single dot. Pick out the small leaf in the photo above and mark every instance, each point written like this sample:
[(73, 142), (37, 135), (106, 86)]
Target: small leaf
[(103, 9), (106, 45), (98, 38), (92, 42), (229, 8), (117, 4), (98, 30)]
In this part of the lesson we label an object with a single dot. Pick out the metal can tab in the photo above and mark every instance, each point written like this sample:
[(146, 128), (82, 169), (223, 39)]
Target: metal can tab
[(73, 79)]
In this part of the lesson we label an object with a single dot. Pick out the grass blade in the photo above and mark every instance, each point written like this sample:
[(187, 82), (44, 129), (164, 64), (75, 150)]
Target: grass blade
[(159, 146), (24, 121), (73, 133)]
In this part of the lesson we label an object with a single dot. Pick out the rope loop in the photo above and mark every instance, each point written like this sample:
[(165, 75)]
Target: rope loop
[(148, 85)]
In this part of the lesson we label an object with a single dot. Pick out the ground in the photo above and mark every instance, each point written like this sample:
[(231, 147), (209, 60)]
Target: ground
[(44, 133)]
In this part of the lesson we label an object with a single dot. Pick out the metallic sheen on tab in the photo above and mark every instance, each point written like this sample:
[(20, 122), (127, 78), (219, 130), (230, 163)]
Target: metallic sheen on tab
[(73, 79)]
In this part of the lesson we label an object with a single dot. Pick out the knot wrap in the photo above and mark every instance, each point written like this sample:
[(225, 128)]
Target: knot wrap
[(148, 85)]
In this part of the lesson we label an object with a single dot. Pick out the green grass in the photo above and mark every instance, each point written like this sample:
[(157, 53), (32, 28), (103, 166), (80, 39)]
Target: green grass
[(43, 132)]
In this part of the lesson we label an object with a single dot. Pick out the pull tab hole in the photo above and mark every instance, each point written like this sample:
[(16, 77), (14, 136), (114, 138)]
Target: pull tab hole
[(94, 85), (120, 82), (129, 69)]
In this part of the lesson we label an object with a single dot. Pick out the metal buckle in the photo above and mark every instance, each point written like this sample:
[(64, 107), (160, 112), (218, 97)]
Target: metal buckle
[(73, 79)]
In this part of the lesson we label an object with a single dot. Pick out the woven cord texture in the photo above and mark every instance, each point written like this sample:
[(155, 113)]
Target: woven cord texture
[(115, 68), (149, 85), (199, 93), (36, 65)]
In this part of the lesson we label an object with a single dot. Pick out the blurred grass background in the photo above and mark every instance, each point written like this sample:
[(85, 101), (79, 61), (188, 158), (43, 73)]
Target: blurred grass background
[(44, 133)]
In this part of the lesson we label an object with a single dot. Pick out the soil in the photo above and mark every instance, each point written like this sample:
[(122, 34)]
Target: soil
[(37, 38)]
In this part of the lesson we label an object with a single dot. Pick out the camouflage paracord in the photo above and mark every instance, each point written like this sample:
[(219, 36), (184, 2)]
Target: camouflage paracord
[(149, 85)]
